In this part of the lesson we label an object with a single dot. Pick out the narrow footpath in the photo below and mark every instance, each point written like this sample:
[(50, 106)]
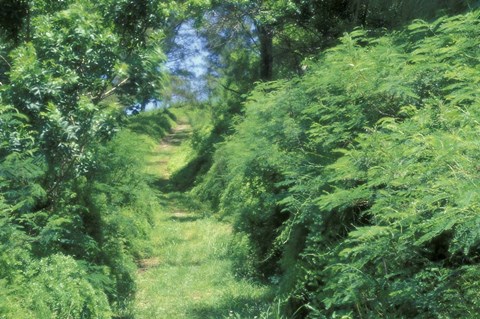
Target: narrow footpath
[(189, 273)]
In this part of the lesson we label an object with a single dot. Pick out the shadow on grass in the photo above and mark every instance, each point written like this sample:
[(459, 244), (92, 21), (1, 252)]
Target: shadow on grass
[(184, 179), (156, 124), (182, 202), (185, 218), (240, 307), (177, 138), (161, 184)]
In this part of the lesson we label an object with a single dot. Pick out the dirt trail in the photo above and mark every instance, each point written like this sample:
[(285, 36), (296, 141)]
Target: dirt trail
[(165, 157), (189, 273), (179, 133)]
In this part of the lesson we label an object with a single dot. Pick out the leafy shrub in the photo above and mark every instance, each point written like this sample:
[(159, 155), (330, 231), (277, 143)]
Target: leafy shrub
[(74, 202), (356, 182), (58, 287)]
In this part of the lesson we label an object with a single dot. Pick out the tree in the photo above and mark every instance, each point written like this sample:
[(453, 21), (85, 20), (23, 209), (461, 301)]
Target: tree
[(310, 172), (64, 65), (13, 16)]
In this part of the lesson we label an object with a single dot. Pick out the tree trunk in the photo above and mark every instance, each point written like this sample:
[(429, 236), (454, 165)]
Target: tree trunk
[(360, 12), (265, 36)]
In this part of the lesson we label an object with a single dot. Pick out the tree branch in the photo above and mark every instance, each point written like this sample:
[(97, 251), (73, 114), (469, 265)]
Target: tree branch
[(112, 90), (228, 89), (3, 58)]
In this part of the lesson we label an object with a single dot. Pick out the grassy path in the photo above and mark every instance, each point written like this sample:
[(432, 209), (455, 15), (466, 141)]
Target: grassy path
[(189, 273)]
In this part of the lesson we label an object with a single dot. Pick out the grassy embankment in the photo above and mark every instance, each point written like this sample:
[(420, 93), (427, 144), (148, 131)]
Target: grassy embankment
[(188, 273)]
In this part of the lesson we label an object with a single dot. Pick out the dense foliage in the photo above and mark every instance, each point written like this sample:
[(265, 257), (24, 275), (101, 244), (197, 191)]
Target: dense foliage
[(74, 202), (348, 165), (355, 184), (251, 41)]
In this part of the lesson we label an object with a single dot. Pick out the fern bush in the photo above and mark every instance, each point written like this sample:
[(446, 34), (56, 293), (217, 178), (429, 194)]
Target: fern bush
[(356, 183), (417, 248)]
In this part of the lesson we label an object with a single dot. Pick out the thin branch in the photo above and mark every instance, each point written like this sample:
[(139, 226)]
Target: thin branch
[(227, 88), (112, 90), (241, 18), (3, 58)]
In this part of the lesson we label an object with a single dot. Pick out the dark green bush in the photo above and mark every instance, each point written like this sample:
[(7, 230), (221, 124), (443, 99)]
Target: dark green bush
[(74, 199), (356, 182)]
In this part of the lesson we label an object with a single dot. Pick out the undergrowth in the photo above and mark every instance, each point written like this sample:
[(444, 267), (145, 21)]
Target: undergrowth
[(354, 186)]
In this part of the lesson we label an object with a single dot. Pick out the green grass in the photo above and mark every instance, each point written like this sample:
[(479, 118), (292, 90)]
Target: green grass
[(189, 274), (189, 271), (155, 124)]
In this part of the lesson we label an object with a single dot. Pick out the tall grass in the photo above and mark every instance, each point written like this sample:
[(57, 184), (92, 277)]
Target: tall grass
[(189, 271)]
